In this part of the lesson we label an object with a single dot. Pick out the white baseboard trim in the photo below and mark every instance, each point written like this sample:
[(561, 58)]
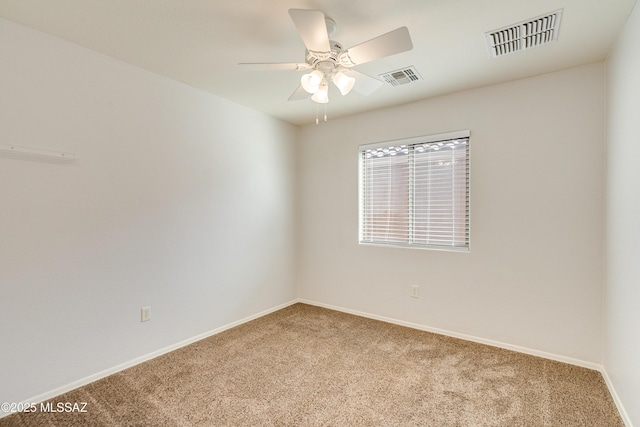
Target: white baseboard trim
[(577, 362), (525, 350), (616, 399), (95, 377), (121, 367)]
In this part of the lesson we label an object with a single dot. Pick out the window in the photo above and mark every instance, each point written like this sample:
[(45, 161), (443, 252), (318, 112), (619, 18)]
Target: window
[(415, 192)]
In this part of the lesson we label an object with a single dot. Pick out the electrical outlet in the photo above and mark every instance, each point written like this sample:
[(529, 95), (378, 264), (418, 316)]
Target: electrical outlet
[(145, 314), (415, 291)]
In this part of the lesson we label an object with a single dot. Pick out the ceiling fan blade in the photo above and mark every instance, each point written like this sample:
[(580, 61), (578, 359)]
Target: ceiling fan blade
[(364, 85), (312, 28), (388, 44), (299, 94), (291, 66)]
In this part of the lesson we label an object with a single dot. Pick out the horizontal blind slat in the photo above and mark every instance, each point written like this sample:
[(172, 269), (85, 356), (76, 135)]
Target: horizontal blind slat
[(416, 193)]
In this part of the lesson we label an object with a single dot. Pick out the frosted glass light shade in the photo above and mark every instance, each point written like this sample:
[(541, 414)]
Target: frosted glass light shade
[(311, 82), (343, 82), (322, 94)]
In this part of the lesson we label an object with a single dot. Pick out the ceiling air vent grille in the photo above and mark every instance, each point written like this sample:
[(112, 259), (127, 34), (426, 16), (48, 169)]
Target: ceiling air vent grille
[(401, 77), (524, 35)]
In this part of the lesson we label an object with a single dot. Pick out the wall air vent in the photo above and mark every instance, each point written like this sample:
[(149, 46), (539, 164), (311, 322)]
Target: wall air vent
[(524, 35), (401, 77)]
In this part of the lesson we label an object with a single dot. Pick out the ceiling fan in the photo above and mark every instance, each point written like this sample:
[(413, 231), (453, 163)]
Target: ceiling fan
[(327, 59)]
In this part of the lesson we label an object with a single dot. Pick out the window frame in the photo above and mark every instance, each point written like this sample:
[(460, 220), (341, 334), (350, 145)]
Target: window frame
[(413, 141)]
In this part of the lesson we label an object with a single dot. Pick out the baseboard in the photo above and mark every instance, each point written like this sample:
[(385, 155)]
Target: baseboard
[(545, 355), (121, 367), (519, 349), (87, 380), (525, 350), (616, 399)]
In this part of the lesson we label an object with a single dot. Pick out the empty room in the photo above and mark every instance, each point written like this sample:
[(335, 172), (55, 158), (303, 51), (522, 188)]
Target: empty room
[(319, 213)]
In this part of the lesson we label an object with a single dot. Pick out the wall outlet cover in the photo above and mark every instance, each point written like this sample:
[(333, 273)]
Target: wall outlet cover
[(145, 314)]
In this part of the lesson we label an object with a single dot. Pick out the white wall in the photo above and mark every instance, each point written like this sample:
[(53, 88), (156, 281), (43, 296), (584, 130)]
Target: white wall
[(534, 275), (152, 214), (180, 200), (622, 292)]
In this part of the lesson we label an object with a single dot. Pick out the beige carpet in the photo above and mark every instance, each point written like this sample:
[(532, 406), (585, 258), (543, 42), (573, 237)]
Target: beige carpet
[(309, 366)]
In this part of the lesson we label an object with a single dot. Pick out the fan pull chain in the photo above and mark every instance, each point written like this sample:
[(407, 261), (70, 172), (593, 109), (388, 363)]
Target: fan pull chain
[(318, 113)]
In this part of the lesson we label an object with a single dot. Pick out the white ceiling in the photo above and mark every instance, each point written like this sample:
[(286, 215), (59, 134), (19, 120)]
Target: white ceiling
[(200, 42)]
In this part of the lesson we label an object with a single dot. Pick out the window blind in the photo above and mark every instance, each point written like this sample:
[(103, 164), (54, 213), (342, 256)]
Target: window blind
[(416, 192)]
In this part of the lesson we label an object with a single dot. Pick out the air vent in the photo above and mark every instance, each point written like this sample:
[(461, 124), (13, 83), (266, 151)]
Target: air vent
[(401, 77), (524, 35)]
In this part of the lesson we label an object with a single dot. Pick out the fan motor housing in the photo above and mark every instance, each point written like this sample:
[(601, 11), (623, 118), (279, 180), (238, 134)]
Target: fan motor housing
[(332, 57)]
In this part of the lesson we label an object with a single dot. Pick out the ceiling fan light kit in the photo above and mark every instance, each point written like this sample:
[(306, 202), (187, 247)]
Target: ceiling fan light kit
[(329, 61), (343, 82), (311, 82), (321, 96)]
